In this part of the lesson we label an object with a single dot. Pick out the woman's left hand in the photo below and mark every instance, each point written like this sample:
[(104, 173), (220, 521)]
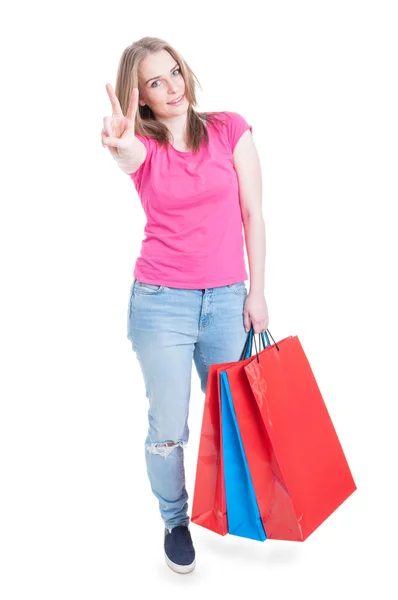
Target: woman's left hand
[(255, 312)]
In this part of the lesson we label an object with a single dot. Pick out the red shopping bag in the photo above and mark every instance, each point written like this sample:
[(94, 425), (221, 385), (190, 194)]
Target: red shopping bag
[(299, 471), (209, 503)]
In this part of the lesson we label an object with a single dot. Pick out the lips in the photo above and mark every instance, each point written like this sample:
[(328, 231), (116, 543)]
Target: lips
[(177, 100)]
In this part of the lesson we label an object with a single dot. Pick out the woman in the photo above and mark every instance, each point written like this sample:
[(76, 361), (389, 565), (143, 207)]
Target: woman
[(198, 177)]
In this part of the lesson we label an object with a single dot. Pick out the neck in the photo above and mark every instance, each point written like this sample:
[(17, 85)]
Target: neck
[(176, 125)]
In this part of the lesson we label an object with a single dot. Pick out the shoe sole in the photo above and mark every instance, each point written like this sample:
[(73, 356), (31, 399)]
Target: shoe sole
[(180, 568)]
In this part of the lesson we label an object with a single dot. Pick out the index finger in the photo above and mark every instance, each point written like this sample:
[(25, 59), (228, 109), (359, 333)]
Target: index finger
[(117, 111)]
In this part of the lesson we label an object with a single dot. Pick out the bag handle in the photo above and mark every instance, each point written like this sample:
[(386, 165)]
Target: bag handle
[(248, 347)]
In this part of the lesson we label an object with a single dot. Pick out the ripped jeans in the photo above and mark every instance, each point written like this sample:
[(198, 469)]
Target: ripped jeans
[(168, 327)]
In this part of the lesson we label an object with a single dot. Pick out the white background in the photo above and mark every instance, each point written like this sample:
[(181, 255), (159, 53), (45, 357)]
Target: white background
[(318, 83)]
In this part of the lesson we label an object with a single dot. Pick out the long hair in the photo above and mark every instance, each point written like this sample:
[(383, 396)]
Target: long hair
[(145, 120)]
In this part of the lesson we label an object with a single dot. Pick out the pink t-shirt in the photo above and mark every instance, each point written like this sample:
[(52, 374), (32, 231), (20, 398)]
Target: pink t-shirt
[(194, 230)]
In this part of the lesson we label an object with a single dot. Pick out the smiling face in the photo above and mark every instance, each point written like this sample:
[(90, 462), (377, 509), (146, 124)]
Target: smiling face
[(161, 82)]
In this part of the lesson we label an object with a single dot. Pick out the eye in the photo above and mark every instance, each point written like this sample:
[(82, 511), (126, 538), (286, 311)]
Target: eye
[(157, 80)]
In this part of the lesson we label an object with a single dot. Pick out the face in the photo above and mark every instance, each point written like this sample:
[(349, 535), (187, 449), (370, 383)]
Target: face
[(161, 82)]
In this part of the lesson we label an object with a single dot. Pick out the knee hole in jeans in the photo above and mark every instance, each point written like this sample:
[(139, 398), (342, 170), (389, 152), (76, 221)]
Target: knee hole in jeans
[(164, 448)]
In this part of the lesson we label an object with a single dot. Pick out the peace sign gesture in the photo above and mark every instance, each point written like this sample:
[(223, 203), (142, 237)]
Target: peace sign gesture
[(118, 132)]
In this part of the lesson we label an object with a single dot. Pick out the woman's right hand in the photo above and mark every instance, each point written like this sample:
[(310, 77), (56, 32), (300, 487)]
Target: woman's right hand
[(118, 132)]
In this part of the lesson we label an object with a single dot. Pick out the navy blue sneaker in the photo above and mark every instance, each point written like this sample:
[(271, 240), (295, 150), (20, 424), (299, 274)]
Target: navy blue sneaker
[(178, 549)]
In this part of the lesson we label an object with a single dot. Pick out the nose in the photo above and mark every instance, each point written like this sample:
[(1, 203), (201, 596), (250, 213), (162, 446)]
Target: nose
[(173, 89)]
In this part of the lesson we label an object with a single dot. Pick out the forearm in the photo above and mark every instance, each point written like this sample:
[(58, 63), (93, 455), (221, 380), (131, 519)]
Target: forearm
[(254, 228)]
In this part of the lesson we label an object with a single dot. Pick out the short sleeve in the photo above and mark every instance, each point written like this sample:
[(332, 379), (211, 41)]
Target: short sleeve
[(237, 125), (145, 140)]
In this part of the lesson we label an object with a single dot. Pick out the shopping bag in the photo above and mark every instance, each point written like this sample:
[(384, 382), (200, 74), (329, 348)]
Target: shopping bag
[(305, 476), (209, 503)]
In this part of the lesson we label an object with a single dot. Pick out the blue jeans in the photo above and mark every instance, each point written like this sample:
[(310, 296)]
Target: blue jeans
[(168, 327)]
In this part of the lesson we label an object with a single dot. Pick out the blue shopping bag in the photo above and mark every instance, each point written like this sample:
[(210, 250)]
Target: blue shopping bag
[(242, 510)]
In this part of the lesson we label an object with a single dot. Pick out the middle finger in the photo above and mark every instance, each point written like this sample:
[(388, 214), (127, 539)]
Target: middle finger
[(114, 100)]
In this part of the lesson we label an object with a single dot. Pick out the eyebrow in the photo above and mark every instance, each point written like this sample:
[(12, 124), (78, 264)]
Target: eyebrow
[(159, 76)]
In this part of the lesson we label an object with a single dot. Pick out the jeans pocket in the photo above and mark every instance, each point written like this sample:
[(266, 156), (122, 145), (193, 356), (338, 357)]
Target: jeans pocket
[(238, 288), (146, 289)]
